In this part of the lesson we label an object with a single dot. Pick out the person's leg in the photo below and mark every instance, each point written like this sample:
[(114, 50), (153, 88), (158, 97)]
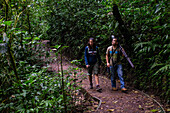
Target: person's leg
[(97, 79), (90, 81), (96, 72), (97, 82), (120, 75), (90, 76), (113, 78)]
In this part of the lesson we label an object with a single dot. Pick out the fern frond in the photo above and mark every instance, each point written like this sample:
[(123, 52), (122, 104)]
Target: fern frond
[(156, 64), (147, 46), (141, 44), (163, 69)]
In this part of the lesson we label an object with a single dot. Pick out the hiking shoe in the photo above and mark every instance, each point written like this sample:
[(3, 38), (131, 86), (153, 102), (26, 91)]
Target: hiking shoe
[(114, 89), (124, 90), (98, 88)]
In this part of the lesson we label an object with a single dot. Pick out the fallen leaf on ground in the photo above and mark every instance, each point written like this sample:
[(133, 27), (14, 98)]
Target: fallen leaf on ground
[(152, 96), (103, 102), (110, 110), (115, 102), (95, 106), (149, 106), (136, 92), (140, 106), (149, 103), (168, 110), (154, 110)]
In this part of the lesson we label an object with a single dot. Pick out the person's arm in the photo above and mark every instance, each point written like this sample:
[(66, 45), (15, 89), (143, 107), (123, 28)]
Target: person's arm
[(85, 57), (107, 58)]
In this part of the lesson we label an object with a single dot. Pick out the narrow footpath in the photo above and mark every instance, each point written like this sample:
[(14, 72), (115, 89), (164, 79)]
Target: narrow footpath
[(115, 101), (112, 101)]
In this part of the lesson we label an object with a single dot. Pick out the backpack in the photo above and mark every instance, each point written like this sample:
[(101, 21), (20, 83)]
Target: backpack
[(111, 55), (93, 52)]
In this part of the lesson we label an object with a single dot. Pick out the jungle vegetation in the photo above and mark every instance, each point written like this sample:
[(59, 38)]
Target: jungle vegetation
[(25, 83)]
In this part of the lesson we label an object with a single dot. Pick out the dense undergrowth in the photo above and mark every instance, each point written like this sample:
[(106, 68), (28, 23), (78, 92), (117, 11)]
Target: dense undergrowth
[(143, 34), (25, 83)]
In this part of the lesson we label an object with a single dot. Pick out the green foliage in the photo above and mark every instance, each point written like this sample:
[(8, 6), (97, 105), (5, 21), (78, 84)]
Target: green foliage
[(73, 22), (41, 92), (148, 20), (26, 85)]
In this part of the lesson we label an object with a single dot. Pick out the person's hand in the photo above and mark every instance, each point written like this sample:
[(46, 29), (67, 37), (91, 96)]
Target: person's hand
[(122, 52), (108, 64), (87, 66)]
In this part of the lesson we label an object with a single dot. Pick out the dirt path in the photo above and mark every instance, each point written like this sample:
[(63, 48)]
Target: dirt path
[(115, 101), (118, 102), (112, 101)]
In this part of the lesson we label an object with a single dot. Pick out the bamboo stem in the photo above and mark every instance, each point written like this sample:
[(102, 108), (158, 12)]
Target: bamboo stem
[(13, 63), (9, 47), (64, 94), (6, 14)]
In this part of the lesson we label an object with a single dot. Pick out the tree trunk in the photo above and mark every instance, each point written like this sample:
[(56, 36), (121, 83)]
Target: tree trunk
[(123, 29)]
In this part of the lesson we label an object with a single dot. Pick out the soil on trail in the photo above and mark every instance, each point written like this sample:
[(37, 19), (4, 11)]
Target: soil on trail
[(112, 101)]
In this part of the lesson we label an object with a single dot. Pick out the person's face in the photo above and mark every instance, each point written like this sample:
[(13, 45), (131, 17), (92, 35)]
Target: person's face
[(91, 42), (114, 42)]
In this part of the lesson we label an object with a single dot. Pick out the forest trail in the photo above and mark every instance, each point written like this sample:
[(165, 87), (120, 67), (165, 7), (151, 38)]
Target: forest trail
[(134, 101), (113, 101)]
